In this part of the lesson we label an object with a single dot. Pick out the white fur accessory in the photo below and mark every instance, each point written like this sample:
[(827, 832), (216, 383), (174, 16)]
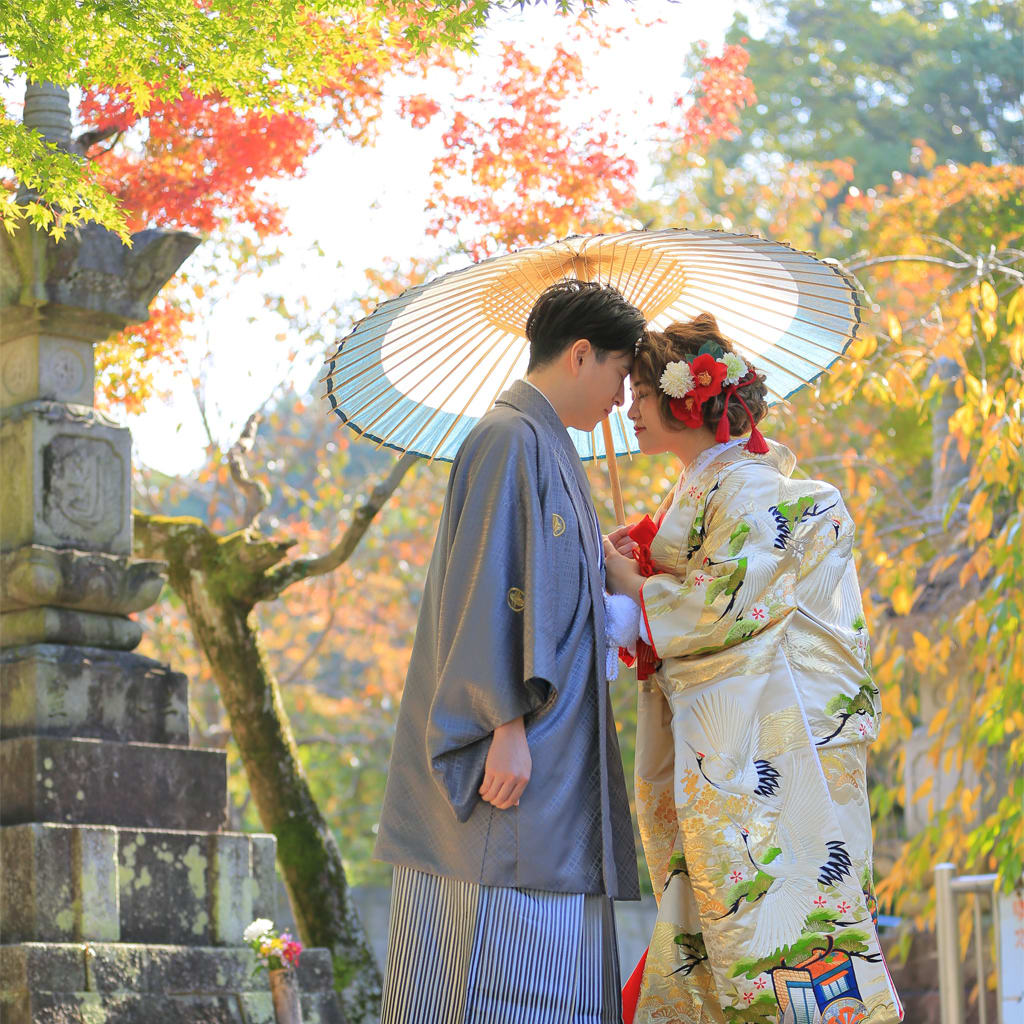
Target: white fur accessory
[(621, 628), (677, 380)]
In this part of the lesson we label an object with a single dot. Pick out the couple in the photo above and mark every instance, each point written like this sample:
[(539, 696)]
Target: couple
[(506, 813)]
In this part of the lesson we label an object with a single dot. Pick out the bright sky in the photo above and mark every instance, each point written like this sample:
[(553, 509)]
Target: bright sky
[(362, 207)]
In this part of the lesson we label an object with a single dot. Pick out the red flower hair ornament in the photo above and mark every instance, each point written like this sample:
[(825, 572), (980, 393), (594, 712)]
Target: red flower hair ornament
[(688, 410), (712, 371), (708, 374)]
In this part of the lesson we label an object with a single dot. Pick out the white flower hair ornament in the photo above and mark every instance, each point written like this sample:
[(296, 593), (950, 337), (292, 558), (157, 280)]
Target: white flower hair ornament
[(736, 369), (677, 379)]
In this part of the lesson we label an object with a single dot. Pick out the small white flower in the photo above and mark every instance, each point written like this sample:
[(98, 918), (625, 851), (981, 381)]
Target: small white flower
[(260, 927), (677, 380), (736, 367)]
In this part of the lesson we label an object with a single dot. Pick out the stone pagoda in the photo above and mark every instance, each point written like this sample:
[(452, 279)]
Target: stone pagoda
[(122, 896)]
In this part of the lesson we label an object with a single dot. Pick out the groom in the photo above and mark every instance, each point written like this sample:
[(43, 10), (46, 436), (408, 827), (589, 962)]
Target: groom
[(505, 813)]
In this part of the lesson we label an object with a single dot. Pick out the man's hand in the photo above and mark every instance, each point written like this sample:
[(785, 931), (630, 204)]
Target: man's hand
[(621, 572), (508, 766)]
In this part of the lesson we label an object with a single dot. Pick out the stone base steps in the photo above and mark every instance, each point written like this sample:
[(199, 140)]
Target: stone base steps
[(67, 883), (120, 983), (75, 781), (60, 690), (130, 1008)]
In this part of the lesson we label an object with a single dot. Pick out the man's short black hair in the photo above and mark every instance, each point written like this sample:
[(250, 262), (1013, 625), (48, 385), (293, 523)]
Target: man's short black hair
[(573, 309)]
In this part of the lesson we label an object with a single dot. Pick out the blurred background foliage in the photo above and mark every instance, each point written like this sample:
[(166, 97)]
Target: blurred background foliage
[(886, 135)]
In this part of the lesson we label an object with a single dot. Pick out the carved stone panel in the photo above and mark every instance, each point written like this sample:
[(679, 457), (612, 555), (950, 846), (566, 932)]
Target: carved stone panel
[(97, 782), (60, 883), (84, 481), (67, 479)]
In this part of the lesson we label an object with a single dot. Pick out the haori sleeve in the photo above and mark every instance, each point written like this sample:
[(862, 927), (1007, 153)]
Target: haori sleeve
[(495, 654), (738, 583)]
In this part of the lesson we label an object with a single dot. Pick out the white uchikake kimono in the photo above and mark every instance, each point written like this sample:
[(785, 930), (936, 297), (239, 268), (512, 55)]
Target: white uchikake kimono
[(751, 751)]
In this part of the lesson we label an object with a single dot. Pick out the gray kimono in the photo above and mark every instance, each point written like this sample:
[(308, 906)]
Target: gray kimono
[(512, 623)]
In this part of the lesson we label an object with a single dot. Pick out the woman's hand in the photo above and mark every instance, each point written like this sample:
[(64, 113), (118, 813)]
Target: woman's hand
[(508, 766), (622, 573), (621, 540)]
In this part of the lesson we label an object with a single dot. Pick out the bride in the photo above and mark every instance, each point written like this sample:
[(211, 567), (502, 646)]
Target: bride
[(756, 708)]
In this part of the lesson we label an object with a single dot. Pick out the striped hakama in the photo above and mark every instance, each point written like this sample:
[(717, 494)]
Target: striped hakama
[(461, 953)]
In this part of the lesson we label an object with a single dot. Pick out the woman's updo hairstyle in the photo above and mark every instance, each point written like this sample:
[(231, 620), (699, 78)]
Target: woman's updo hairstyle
[(683, 340)]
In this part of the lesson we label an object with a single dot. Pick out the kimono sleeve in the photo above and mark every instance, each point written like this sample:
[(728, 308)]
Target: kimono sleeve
[(495, 645), (737, 584)]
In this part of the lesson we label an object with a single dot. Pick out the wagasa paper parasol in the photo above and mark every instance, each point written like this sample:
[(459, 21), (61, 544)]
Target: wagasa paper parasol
[(419, 372)]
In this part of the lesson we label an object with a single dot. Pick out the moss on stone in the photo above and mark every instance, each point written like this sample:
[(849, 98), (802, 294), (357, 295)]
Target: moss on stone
[(197, 865)]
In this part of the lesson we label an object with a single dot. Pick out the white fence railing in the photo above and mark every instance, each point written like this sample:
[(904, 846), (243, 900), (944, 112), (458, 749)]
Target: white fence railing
[(1007, 915)]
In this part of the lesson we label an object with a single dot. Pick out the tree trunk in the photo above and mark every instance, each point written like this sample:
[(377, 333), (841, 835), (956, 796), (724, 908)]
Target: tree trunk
[(220, 581)]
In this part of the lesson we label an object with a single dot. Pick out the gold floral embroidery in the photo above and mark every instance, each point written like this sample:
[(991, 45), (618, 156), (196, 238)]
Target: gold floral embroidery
[(689, 782)]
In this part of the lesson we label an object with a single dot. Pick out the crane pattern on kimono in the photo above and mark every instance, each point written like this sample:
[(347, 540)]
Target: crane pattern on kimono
[(754, 564), (800, 860), (733, 582), (734, 739), (789, 514), (786, 884), (754, 574)]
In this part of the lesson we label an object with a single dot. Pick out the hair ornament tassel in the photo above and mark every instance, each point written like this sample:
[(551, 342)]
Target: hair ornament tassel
[(757, 445)]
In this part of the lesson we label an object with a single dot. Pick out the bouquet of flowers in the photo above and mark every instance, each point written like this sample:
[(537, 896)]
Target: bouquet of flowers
[(272, 951)]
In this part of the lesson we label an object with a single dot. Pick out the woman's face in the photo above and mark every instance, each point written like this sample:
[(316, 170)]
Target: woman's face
[(652, 435)]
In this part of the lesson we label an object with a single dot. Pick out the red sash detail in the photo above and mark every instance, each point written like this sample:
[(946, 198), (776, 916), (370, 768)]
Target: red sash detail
[(643, 533)]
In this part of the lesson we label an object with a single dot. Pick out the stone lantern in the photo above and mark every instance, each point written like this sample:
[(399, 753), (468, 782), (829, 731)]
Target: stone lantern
[(122, 895)]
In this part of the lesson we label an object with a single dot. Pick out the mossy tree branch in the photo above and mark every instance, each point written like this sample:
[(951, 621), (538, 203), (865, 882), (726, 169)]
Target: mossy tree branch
[(303, 568), (255, 492)]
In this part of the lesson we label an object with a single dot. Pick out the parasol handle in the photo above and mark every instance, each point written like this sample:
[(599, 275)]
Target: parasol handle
[(613, 472)]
